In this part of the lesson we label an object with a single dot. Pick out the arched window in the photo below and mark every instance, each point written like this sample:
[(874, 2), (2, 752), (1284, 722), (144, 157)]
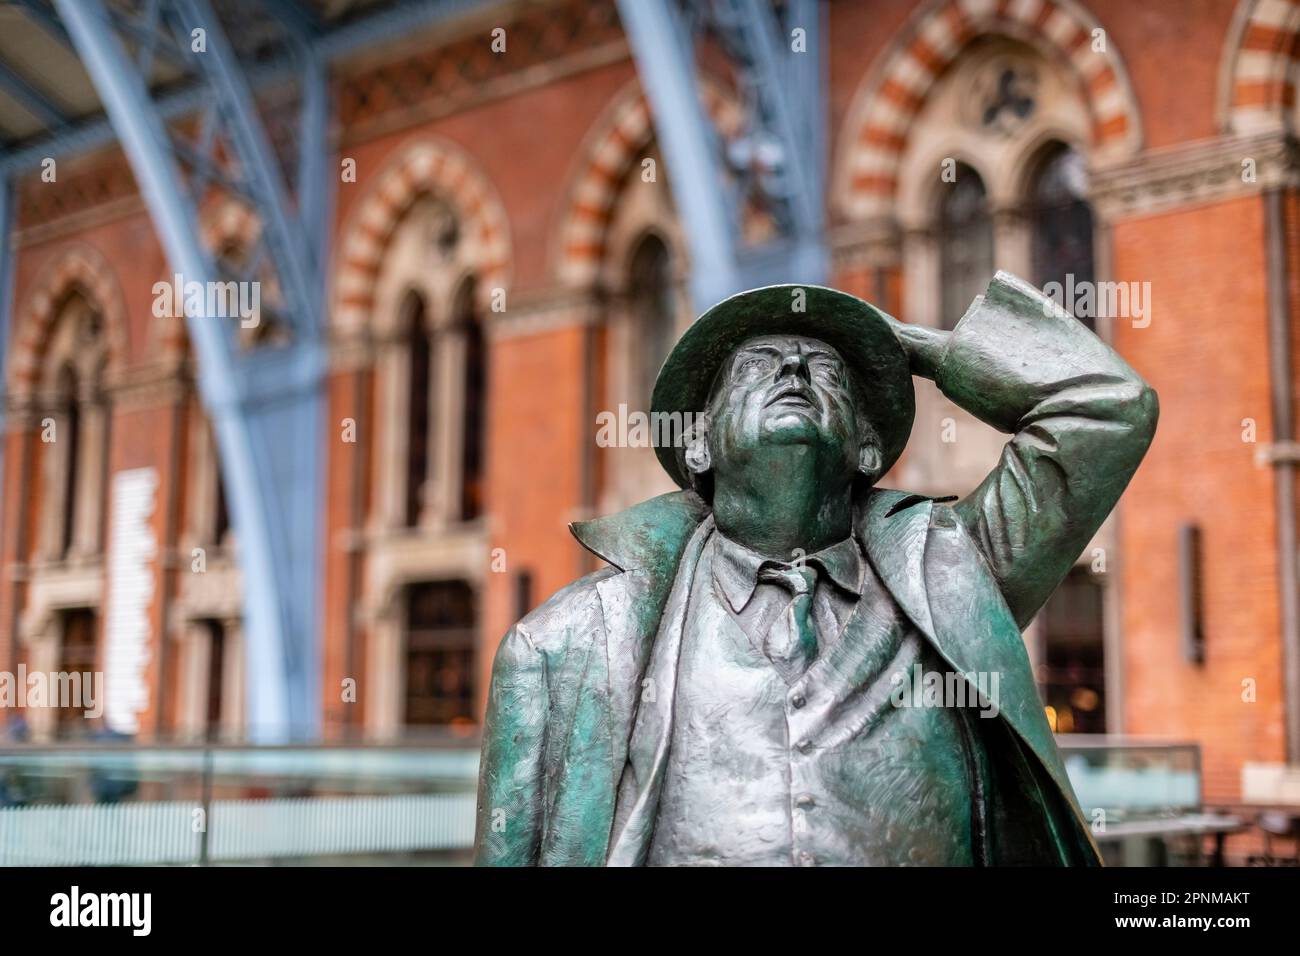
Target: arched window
[(650, 293), (420, 350), (474, 437), (965, 244), (1061, 220), (75, 460)]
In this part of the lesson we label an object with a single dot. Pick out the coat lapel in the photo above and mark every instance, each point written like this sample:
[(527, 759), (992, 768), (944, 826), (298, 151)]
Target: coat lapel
[(645, 543), (974, 631), (933, 569), (627, 650), (642, 780), (892, 527)]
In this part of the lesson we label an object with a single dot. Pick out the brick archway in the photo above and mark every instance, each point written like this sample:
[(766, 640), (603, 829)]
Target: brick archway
[(875, 134), (1257, 82), (612, 147), (426, 166), (81, 268)]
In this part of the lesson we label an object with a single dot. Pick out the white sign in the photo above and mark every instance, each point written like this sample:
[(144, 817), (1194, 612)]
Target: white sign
[(130, 592)]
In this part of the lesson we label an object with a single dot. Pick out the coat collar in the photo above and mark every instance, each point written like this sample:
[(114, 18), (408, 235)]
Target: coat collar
[(649, 536), (736, 568)]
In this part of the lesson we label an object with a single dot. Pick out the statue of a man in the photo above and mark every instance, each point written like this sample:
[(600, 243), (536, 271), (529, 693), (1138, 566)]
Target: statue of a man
[(786, 665)]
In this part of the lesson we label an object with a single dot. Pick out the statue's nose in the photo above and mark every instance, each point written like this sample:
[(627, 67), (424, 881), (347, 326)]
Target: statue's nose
[(796, 364)]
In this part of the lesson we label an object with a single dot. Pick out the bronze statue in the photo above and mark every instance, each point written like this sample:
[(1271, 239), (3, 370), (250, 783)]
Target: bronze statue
[(786, 665)]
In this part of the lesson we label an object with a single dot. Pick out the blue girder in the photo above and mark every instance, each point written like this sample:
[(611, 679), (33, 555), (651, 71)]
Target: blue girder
[(266, 403), (785, 117)]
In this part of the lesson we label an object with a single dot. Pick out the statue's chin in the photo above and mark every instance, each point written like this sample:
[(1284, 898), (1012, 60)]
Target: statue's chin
[(792, 427)]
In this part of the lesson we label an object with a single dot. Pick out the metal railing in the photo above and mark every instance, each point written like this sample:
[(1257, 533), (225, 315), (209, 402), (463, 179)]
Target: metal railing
[(65, 806), (208, 805)]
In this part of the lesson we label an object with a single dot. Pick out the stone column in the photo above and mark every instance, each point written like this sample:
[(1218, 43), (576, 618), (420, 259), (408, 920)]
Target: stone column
[(39, 634), (54, 471), (1013, 241), (232, 680), (391, 416), (447, 438), (194, 655), (382, 695)]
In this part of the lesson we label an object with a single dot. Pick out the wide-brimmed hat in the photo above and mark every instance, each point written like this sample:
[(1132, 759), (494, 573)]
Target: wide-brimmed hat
[(856, 329)]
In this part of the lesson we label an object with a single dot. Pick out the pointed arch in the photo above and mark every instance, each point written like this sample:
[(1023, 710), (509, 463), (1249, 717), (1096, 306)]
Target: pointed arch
[(615, 142), (875, 133), (428, 165), (1257, 85), (79, 268)]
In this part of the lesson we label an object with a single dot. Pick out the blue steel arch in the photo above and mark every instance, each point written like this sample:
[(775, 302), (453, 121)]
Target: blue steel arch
[(267, 406)]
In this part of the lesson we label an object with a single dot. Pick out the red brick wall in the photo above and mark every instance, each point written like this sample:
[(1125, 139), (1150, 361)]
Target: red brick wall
[(1206, 354), (349, 396), (1172, 52), (539, 436)]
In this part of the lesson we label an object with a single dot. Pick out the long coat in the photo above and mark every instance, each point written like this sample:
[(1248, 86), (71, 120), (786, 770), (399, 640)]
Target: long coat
[(558, 784)]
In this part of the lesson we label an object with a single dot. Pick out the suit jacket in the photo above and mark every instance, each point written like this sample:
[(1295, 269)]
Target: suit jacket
[(557, 785)]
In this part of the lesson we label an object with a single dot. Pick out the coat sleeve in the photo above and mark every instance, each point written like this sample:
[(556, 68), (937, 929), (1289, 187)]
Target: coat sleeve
[(509, 816), (1082, 420)]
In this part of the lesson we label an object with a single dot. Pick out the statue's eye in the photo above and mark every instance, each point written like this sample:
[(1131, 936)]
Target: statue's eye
[(828, 371), (757, 363)]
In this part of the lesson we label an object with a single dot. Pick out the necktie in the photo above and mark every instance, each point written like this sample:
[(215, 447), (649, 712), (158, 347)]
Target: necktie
[(791, 642)]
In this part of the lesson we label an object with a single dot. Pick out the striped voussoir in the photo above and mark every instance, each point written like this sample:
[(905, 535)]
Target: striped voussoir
[(428, 166), (616, 142), (1263, 66), (885, 107), (79, 268)]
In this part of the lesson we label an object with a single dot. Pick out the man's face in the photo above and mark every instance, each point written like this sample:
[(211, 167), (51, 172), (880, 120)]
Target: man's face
[(783, 390)]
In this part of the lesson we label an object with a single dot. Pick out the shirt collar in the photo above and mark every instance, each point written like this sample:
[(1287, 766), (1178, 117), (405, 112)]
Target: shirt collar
[(736, 567)]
